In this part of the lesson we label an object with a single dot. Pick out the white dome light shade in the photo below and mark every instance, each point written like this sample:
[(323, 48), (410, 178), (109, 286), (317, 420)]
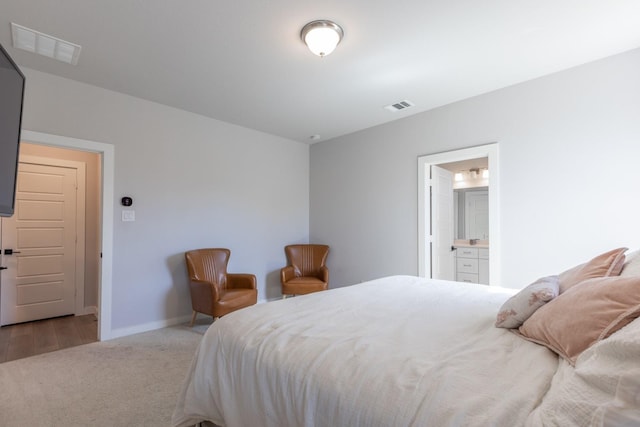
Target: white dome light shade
[(321, 37)]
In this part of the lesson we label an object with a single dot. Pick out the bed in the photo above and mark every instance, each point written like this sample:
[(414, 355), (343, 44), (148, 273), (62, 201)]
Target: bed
[(401, 351)]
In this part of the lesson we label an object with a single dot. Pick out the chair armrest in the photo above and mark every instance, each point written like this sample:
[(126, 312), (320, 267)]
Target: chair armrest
[(324, 274), (287, 273), (203, 292), (241, 281)]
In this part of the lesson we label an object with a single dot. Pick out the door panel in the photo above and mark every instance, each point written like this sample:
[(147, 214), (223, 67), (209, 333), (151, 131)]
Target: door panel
[(40, 280), (40, 210), (42, 238), (442, 224), (40, 293), (33, 182), (39, 265)]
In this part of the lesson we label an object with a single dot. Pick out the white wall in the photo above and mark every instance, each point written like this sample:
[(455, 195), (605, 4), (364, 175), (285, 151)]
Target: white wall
[(195, 182), (569, 154)]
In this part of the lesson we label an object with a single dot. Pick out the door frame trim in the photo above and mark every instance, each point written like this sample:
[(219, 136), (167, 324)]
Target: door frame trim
[(424, 204), (107, 152)]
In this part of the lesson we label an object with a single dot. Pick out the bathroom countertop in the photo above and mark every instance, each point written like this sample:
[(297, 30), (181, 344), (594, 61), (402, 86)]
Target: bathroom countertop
[(482, 244)]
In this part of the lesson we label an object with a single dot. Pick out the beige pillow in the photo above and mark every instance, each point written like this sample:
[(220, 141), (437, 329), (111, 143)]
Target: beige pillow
[(584, 315), (519, 307), (631, 266), (604, 265)]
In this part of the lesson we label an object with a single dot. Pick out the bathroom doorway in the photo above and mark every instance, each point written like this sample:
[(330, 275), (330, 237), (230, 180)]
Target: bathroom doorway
[(474, 173)]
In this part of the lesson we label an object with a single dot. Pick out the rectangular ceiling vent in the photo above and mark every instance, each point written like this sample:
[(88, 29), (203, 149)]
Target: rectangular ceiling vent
[(402, 105), (43, 44)]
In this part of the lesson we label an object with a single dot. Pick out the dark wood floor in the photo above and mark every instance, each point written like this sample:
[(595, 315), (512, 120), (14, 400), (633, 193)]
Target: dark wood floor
[(42, 336)]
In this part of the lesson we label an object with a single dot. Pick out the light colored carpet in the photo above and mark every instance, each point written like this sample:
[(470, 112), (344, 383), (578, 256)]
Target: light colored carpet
[(129, 381)]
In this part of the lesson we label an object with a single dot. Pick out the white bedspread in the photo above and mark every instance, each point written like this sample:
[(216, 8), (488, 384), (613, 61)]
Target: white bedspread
[(398, 351), (602, 390)]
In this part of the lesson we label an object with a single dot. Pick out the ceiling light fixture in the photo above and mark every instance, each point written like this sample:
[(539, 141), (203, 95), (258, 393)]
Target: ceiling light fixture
[(473, 174), (322, 36)]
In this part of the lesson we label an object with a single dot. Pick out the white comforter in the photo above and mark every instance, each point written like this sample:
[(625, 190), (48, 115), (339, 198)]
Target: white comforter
[(398, 351)]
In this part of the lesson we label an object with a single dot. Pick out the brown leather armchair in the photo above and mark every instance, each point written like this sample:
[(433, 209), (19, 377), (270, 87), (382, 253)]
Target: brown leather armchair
[(306, 271), (214, 291)]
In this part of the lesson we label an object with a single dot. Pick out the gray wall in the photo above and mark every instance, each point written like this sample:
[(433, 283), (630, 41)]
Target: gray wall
[(196, 182), (569, 148), (569, 152)]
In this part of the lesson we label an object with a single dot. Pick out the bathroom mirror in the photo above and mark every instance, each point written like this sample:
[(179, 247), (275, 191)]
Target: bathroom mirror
[(471, 210)]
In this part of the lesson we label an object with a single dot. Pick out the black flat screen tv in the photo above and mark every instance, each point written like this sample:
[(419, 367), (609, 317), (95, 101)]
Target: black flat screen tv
[(11, 100)]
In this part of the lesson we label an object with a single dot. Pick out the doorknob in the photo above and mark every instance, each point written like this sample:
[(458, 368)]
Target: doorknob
[(3, 268), (10, 252)]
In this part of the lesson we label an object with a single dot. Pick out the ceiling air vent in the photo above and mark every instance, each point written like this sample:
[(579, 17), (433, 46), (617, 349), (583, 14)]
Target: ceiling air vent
[(43, 44), (402, 105)]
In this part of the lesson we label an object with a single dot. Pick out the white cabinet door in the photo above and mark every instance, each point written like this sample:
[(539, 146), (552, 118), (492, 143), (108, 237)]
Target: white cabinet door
[(483, 271), (467, 278)]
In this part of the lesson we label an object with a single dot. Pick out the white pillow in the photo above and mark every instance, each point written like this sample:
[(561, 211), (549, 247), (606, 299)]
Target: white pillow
[(631, 266), (522, 305)]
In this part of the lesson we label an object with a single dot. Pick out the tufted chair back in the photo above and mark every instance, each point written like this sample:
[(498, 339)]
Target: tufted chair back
[(307, 260), (209, 265), (214, 291)]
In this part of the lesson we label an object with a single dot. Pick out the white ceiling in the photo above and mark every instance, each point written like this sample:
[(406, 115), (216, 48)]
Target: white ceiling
[(242, 61)]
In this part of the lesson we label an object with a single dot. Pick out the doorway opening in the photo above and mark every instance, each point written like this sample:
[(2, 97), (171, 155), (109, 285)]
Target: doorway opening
[(441, 233), (105, 220)]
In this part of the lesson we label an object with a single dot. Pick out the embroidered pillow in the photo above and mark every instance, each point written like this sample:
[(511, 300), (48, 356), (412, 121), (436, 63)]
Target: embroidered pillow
[(604, 265), (584, 315), (519, 307)]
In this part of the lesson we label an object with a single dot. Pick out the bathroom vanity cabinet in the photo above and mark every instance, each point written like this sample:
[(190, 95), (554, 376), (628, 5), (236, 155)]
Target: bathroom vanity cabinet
[(472, 265)]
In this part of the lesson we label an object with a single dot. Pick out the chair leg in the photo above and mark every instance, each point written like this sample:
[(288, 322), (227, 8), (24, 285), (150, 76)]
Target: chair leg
[(193, 318)]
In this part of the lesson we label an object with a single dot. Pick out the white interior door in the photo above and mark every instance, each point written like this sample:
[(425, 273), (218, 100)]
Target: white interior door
[(40, 280), (442, 224)]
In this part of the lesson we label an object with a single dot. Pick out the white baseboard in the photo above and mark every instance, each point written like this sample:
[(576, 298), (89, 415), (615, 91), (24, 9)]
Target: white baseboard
[(92, 309), (151, 326)]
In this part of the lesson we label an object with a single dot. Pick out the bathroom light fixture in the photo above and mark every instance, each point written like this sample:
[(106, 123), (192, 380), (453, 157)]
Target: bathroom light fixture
[(321, 36), (458, 176), (485, 173), (473, 173)]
